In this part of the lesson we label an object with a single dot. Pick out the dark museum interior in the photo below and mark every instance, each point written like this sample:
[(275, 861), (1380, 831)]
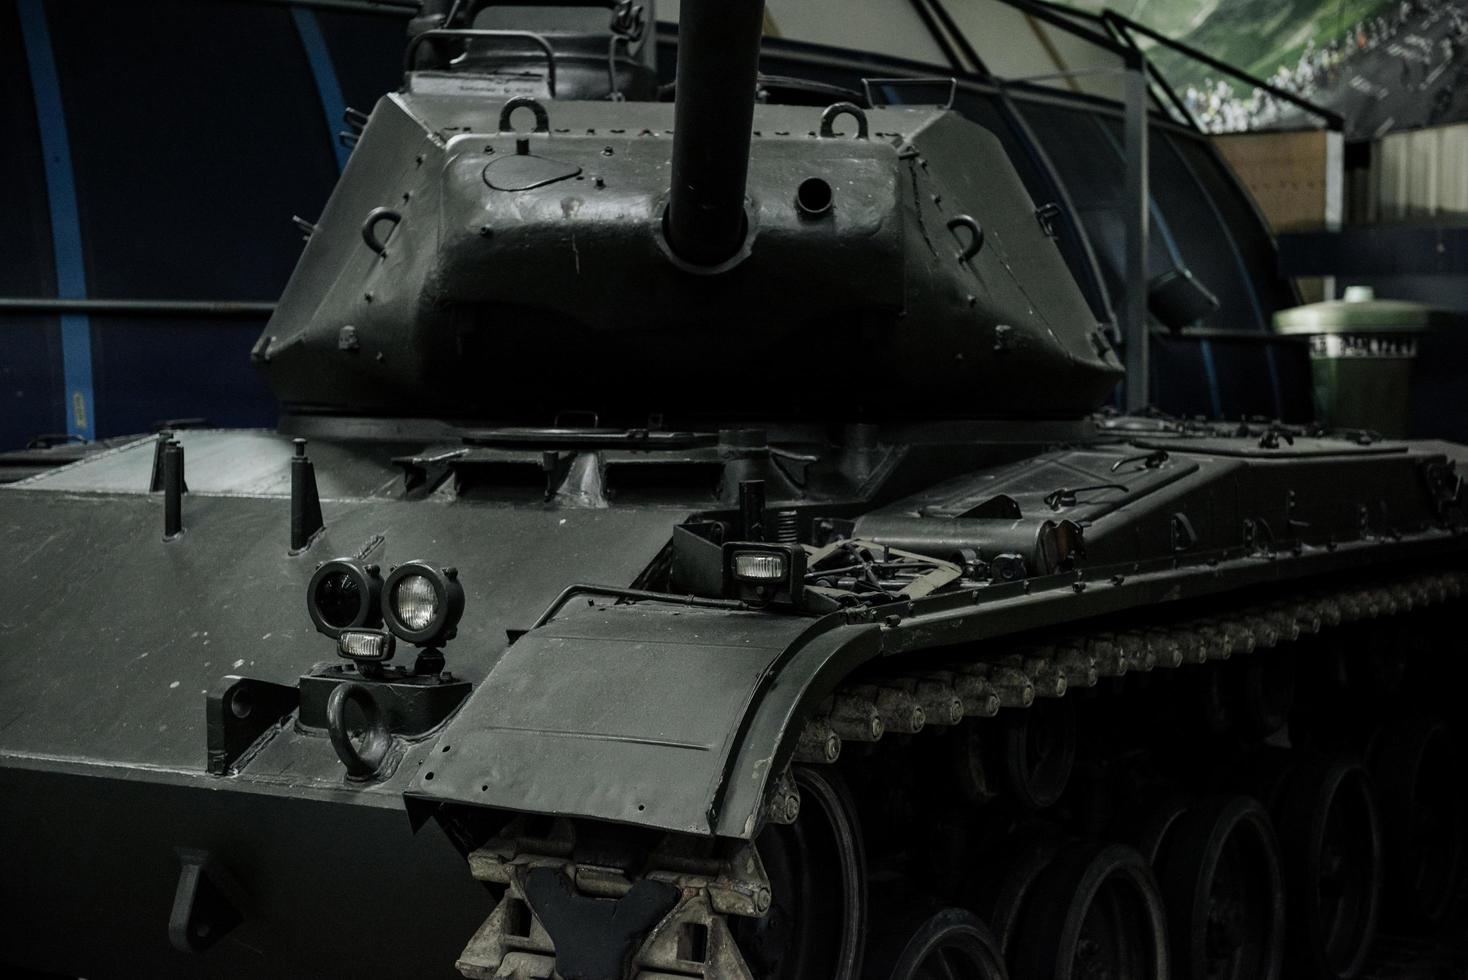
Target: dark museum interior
[(781, 489)]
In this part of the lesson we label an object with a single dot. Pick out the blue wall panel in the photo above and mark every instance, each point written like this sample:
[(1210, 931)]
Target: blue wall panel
[(28, 267), (149, 370), (367, 53), (195, 132), (188, 174), (31, 391), (32, 395), (323, 73)]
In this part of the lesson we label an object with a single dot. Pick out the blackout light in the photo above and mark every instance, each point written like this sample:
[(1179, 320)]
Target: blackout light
[(759, 566), (366, 646), (764, 573)]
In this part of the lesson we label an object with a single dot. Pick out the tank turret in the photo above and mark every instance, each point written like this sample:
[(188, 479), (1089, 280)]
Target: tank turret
[(490, 255)]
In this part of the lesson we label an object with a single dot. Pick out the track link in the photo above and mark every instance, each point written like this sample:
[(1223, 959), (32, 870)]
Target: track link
[(906, 702)]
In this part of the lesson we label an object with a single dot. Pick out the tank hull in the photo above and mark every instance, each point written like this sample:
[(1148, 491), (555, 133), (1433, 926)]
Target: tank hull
[(658, 717)]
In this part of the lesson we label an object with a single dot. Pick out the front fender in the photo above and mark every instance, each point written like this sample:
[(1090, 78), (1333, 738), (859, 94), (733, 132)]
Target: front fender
[(660, 716)]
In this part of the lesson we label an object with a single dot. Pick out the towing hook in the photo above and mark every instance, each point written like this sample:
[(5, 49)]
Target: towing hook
[(365, 760)]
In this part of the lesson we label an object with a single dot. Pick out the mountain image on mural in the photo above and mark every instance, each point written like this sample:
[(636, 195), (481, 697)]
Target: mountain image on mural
[(1381, 64)]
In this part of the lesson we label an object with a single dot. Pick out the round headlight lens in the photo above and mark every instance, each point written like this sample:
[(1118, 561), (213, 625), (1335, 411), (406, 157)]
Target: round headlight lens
[(344, 593), (422, 604), (338, 598), (415, 601)]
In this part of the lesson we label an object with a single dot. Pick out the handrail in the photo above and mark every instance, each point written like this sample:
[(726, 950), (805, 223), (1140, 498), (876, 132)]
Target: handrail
[(468, 34), (387, 8)]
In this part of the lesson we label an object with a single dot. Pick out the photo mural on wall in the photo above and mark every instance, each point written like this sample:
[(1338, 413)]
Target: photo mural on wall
[(1382, 64)]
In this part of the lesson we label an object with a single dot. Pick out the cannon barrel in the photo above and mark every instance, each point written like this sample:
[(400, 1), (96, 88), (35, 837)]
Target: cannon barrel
[(718, 62)]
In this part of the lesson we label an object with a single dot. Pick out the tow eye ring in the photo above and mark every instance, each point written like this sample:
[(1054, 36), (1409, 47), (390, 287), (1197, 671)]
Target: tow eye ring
[(595, 938), (365, 760)]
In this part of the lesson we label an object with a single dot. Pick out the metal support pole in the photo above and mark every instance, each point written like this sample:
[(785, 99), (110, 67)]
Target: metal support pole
[(751, 510), (1136, 216), (21, 305), (306, 518), (1118, 30), (173, 487)]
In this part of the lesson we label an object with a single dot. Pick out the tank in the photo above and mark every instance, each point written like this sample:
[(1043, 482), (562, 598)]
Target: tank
[(696, 546)]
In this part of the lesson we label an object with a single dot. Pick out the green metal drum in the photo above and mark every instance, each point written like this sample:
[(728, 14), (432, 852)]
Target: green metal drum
[(1361, 351)]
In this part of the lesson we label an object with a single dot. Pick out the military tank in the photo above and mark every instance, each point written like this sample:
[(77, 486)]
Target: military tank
[(695, 547)]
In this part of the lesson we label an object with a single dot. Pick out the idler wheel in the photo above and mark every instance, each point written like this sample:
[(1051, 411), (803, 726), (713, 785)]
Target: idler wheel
[(946, 944), (1094, 914), (1330, 836), (1218, 865), (816, 925), (1037, 750), (1417, 770)]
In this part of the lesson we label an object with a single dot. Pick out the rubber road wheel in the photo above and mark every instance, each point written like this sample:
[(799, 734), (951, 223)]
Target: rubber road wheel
[(1222, 884), (1330, 837), (1094, 914), (816, 925), (1037, 751), (946, 944), (1418, 774)]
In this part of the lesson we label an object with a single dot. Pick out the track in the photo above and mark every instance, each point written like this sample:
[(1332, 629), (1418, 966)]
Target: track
[(1262, 791), (995, 781), (978, 686)]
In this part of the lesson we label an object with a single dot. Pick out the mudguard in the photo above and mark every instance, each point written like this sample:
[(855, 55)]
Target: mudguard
[(655, 715)]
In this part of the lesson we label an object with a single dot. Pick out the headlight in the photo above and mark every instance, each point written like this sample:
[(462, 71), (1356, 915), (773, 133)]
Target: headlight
[(422, 604), (344, 593), (764, 573), (415, 601)]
